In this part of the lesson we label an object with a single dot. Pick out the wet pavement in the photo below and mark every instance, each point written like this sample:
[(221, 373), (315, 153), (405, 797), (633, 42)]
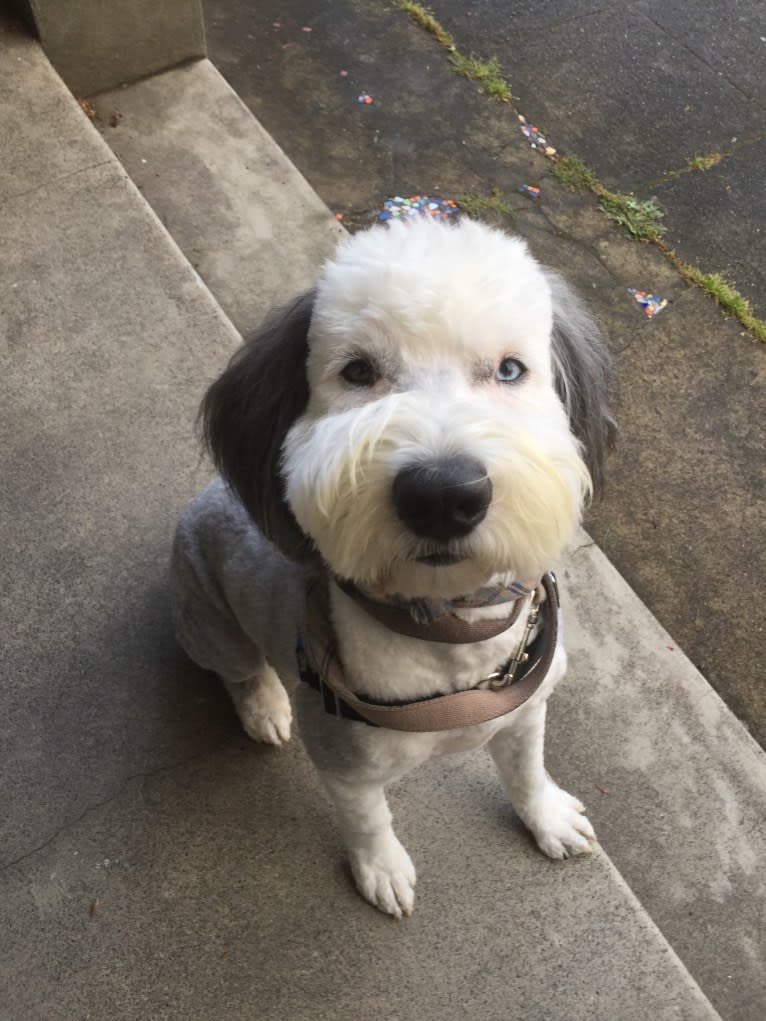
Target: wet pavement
[(635, 96)]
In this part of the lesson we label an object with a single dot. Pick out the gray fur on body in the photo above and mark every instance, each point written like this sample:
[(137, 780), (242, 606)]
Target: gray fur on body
[(230, 588)]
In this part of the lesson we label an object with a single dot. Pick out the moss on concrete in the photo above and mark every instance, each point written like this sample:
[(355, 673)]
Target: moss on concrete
[(474, 205)]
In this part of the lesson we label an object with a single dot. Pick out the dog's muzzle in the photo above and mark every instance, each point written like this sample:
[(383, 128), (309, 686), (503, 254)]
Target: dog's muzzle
[(442, 499)]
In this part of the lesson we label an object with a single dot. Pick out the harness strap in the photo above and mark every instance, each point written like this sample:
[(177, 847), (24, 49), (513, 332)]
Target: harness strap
[(442, 712)]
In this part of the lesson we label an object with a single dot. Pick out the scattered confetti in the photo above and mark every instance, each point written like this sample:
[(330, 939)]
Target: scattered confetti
[(531, 190), (650, 303), (364, 98), (536, 138), (399, 208)]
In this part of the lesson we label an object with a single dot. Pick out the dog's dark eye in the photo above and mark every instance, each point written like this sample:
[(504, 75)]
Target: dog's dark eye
[(509, 370), (360, 372)]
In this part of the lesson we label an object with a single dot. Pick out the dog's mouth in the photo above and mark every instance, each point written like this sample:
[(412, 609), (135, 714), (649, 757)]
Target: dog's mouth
[(443, 559)]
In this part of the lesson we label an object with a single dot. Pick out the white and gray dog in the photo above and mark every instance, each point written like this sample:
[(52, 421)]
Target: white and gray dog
[(412, 444)]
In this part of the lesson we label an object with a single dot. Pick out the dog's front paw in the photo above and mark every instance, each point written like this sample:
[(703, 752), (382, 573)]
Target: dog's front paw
[(559, 824), (272, 726), (385, 875), (264, 708)]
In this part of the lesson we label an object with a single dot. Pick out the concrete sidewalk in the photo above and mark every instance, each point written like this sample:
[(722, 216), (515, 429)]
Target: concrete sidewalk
[(155, 862)]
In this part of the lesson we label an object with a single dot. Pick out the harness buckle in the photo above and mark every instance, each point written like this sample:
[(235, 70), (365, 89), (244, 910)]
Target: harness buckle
[(501, 679)]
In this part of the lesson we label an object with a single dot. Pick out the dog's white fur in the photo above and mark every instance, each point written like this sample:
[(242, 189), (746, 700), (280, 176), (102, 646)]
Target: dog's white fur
[(437, 308)]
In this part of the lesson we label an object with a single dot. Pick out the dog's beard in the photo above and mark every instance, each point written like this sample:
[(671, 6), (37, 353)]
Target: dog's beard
[(339, 471)]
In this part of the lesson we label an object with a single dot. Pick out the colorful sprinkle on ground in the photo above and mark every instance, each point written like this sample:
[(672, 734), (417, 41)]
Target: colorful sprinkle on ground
[(536, 138), (399, 208), (652, 304)]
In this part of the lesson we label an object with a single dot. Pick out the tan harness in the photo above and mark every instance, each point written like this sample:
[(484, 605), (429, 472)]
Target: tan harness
[(496, 695)]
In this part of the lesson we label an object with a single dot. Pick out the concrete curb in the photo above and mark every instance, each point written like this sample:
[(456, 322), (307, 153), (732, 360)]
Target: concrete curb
[(685, 803)]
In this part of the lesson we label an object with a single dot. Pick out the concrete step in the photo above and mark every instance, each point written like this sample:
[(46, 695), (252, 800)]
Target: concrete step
[(155, 863), (242, 214)]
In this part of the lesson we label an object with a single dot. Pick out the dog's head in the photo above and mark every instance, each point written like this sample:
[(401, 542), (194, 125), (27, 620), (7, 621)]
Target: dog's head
[(433, 414)]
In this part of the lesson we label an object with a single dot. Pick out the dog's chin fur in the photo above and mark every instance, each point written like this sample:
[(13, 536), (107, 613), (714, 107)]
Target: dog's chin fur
[(339, 471)]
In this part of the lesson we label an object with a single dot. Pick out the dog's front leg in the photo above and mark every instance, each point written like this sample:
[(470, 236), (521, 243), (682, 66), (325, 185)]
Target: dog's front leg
[(555, 818), (383, 870)]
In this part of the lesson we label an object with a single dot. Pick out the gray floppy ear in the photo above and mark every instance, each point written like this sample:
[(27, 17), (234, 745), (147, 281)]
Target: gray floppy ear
[(248, 411), (582, 367)]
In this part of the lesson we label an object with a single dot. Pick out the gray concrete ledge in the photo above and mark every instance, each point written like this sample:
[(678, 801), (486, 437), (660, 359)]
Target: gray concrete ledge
[(97, 44)]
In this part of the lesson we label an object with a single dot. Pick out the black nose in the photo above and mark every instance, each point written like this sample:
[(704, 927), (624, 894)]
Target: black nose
[(444, 499)]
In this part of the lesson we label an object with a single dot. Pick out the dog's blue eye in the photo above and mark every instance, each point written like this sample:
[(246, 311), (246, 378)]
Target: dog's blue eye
[(360, 372), (509, 370)]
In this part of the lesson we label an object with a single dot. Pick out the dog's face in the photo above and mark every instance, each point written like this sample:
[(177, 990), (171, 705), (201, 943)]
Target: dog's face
[(430, 447)]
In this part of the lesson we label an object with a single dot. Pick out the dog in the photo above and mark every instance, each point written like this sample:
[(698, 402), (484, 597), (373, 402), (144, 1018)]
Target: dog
[(404, 452)]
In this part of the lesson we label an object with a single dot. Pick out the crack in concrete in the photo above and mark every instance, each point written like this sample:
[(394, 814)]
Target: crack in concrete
[(584, 246), (584, 545), (673, 175), (58, 180), (557, 23), (716, 71), (122, 789)]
